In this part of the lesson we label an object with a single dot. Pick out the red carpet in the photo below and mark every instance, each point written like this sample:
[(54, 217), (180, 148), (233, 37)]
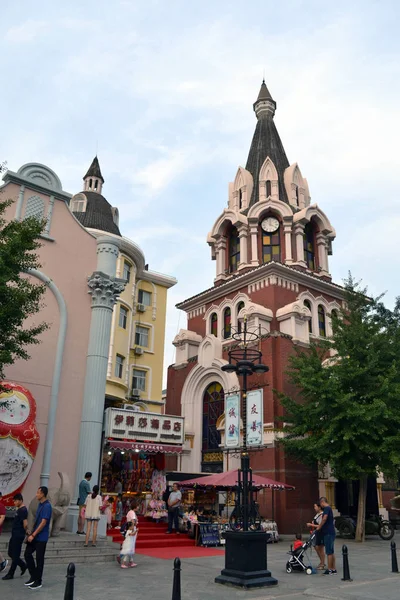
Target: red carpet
[(152, 536), (182, 552)]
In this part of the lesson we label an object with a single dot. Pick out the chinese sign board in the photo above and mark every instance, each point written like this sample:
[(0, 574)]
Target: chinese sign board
[(129, 425), (232, 421), (255, 418)]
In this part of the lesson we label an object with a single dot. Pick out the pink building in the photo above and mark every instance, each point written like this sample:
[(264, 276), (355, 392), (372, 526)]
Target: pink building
[(77, 268)]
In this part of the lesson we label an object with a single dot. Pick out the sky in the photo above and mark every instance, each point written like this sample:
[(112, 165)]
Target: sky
[(163, 93)]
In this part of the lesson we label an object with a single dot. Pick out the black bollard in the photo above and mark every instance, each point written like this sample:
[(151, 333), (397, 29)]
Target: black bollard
[(346, 568), (176, 585), (69, 586), (395, 567)]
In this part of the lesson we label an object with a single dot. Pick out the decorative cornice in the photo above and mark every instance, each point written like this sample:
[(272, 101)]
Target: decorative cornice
[(260, 273), (104, 289), (47, 187)]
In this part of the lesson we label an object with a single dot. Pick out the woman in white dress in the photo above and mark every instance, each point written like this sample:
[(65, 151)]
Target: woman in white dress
[(92, 514)]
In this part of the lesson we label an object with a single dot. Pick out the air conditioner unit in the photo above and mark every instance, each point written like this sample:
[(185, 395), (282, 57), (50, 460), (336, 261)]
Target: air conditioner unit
[(141, 307), (138, 350), (131, 407), (135, 393)]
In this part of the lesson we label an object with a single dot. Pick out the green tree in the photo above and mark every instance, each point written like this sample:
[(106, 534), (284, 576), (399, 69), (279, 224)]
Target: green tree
[(347, 412), (20, 297)]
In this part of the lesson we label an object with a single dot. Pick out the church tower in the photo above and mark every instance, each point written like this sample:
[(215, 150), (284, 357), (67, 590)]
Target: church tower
[(271, 246), (269, 215)]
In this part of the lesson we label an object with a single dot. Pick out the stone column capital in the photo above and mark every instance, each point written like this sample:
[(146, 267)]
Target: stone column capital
[(298, 228), (242, 230), (104, 289)]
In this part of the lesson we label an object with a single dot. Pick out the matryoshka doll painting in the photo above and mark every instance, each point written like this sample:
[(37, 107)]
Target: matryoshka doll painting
[(19, 438)]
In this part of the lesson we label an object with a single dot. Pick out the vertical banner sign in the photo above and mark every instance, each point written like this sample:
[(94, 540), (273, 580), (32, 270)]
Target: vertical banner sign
[(232, 421), (255, 421)]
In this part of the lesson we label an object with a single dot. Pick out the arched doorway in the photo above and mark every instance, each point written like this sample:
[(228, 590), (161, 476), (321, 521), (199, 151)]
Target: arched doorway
[(213, 408)]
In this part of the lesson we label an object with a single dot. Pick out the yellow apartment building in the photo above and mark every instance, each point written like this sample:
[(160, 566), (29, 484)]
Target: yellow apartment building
[(136, 353)]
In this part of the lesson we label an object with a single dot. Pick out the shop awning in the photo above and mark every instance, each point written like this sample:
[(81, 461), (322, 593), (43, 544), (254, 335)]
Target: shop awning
[(229, 479), (145, 447)]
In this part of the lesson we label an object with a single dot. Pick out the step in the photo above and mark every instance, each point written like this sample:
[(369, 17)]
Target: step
[(99, 557)]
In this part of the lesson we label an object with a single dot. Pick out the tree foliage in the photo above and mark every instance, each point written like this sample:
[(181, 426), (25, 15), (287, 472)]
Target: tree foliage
[(20, 297), (347, 411)]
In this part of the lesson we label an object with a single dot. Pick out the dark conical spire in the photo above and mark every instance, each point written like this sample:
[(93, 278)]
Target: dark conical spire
[(266, 142), (94, 170), (264, 92)]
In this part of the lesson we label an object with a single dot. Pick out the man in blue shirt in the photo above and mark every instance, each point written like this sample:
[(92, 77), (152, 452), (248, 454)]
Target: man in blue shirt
[(37, 540), (19, 526), (84, 491), (328, 534)]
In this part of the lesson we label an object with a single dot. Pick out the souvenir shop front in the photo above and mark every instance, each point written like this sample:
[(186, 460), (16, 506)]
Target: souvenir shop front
[(136, 445)]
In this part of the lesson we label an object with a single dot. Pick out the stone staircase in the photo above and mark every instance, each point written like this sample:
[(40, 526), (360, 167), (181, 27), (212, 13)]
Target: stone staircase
[(68, 547)]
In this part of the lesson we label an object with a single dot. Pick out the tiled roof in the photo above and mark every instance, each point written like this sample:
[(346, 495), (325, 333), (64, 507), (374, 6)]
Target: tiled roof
[(98, 214), (94, 170)]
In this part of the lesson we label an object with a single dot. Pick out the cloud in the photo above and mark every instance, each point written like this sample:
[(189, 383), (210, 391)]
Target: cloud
[(25, 32)]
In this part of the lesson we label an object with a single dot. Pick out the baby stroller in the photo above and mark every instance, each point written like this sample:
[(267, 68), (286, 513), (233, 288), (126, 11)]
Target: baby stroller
[(298, 560)]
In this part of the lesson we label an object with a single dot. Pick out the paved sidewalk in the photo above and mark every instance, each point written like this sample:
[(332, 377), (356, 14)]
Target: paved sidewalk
[(370, 568)]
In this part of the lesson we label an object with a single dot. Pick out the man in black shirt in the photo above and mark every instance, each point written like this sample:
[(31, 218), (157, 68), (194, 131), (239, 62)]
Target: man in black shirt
[(18, 533)]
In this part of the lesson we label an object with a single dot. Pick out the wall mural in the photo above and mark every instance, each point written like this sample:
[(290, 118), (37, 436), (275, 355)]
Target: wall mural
[(19, 438)]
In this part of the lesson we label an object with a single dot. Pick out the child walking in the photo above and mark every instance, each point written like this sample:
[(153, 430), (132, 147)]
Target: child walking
[(127, 553)]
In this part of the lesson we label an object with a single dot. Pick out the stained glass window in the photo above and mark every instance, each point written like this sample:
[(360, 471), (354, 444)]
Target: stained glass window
[(214, 324), (239, 307), (309, 249), (234, 250), (307, 304), (271, 247), (321, 321), (213, 408), (227, 323)]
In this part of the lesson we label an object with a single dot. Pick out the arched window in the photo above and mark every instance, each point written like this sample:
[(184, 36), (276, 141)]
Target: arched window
[(321, 321), (309, 250), (334, 316), (90, 184), (271, 246), (95, 184), (240, 199), (268, 188), (227, 323), (307, 304), (213, 408), (214, 324), (234, 250), (239, 307)]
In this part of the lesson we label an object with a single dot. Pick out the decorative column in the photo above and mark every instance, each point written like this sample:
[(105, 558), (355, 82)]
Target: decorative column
[(20, 202), (298, 230), (287, 227), (243, 245), (220, 250), (49, 215), (322, 254), (104, 289), (254, 245)]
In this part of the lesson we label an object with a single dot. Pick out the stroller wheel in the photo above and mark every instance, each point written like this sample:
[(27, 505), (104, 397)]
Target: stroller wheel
[(309, 571), (288, 568)]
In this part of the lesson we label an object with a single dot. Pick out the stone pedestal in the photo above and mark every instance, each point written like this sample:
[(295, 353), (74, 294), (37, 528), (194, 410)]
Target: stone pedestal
[(246, 560)]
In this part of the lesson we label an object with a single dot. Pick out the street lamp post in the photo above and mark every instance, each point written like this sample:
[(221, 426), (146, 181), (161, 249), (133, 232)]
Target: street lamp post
[(245, 550)]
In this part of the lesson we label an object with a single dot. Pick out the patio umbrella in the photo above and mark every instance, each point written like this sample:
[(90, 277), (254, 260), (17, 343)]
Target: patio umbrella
[(229, 479)]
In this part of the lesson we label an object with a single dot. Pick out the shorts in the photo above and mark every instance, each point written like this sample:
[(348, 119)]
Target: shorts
[(329, 542), (318, 539)]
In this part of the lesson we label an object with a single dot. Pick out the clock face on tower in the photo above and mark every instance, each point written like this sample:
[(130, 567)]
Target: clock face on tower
[(270, 224)]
